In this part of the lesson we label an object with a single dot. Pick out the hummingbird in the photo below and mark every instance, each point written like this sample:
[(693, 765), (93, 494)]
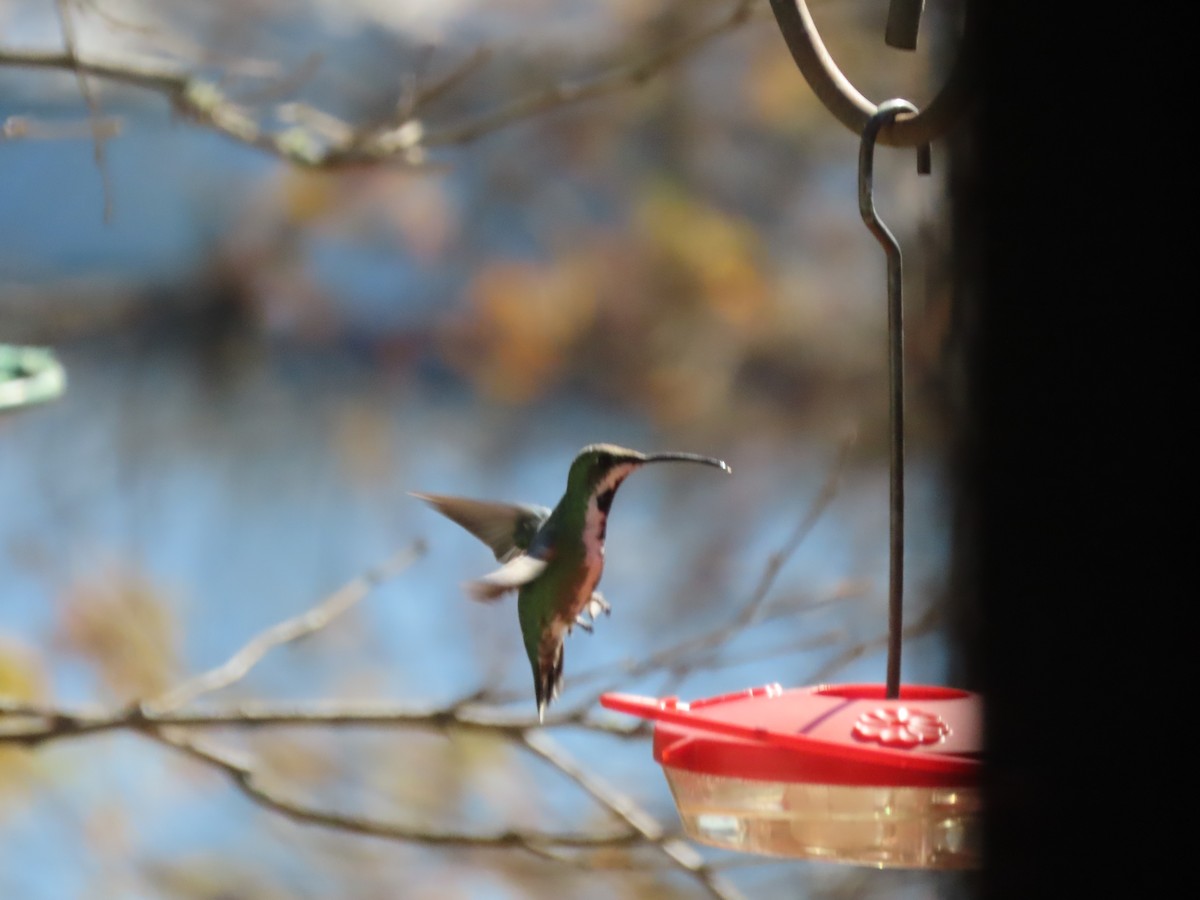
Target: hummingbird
[(553, 558)]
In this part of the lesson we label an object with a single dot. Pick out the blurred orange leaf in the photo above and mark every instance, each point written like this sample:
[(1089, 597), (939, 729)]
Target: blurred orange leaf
[(306, 195), (526, 318), (716, 252)]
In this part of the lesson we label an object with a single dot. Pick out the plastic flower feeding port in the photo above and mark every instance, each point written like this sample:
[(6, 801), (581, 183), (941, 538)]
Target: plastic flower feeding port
[(833, 772), (885, 775)]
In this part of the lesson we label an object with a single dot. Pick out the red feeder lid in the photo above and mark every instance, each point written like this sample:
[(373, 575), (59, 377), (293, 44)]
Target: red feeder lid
[(847, 734)]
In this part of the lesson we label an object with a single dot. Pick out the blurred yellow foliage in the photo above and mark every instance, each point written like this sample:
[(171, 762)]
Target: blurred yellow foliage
[(663, 314), (21, 675), (124, 625), (307, 195), (526, 318), (716, 252), (21, 678), (777, 93)]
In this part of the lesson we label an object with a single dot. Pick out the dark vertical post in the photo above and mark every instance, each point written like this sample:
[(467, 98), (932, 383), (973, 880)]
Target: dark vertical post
[(1078, 281)]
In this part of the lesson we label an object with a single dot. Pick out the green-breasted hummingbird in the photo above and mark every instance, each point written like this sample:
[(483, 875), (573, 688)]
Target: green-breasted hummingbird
[(553, 558)]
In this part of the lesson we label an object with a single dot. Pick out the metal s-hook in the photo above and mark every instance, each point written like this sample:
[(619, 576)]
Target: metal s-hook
[(884, 115)]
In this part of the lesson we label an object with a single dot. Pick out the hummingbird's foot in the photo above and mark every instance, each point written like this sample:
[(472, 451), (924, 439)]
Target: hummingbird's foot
[(598, 605)]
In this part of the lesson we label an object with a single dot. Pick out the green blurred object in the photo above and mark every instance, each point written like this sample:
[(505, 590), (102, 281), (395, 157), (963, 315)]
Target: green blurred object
[(29, 375)]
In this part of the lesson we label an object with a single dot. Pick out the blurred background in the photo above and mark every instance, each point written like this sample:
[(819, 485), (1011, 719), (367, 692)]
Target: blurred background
[(264, 359)]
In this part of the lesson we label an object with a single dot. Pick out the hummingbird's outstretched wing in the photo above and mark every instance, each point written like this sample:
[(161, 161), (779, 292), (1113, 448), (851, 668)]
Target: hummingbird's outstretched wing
[(508, 528), (513, 574)]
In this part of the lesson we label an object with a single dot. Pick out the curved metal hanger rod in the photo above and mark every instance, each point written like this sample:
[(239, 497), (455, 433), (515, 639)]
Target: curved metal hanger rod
[(849, 106), (887, 112)]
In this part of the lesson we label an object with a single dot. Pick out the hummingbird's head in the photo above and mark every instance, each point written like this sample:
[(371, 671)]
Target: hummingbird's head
[(599, 469)]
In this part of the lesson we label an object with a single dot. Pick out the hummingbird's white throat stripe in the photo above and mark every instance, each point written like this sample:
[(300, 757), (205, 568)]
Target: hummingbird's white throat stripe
[(614, 476)]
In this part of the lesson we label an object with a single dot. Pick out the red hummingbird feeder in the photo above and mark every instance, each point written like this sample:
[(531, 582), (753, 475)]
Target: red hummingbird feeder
[(833, 772), (885, 775)]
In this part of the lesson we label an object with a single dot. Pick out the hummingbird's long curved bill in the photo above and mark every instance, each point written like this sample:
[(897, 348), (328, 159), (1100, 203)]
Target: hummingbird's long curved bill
[(687, 457)]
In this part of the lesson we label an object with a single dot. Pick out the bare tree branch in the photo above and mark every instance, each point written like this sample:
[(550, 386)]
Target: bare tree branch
[(132, 72), (238, 665), (246, 780), (25, 128), (31, 725), (403, 141)]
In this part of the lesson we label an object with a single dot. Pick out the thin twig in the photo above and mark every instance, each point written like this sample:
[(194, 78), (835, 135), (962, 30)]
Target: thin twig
[(132, 72), (238, 665), (26, 128), (752, 608), (113, 19), (678, 852), (921, 626), (31, 725), (423, 95), (247, 781), (610, 82), (67, 23), (286, 84)]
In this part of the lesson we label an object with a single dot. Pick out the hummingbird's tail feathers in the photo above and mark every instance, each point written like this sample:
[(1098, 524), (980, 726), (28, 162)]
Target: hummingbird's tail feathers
[(510, 576), (508, 528), (547, 679)]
